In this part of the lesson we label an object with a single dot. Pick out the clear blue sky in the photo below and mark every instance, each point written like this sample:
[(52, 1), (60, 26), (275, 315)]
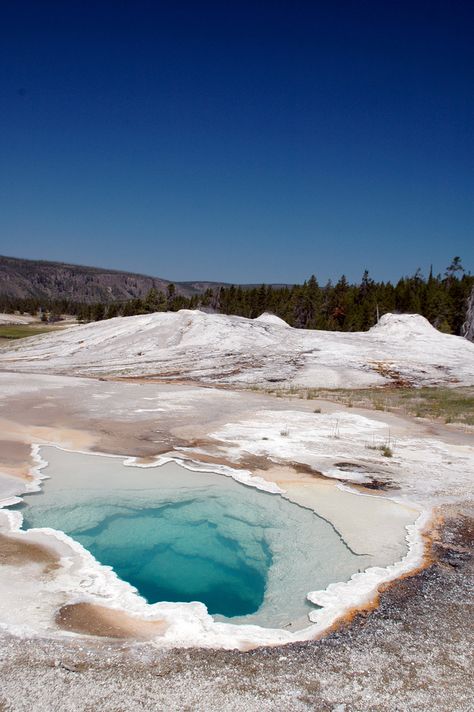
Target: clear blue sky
[(238, 141)]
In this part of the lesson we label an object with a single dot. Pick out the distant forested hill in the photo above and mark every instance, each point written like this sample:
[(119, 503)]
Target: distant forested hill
[(23, 279)]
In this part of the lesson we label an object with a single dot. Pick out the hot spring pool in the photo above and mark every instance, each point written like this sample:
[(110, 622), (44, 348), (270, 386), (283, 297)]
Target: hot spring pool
[(181, 535)]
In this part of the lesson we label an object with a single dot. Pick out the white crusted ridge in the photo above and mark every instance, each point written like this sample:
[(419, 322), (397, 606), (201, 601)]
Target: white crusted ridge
[(215, 348), (14, 319)]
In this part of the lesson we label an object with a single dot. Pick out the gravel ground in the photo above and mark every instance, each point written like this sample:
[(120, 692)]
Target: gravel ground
[(413, 653)]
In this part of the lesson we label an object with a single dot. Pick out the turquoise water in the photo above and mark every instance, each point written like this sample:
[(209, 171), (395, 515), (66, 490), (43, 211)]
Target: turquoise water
[(178, 535), (180, 552)]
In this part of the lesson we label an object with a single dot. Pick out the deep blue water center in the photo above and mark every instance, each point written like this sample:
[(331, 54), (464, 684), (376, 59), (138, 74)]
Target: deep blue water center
[(211, 568), (178, 551)]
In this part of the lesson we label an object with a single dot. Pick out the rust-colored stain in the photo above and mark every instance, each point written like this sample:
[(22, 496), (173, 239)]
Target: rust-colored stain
[(388, 371)]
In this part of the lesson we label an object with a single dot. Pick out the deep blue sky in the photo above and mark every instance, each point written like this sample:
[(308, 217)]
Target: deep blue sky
[(242, 141)]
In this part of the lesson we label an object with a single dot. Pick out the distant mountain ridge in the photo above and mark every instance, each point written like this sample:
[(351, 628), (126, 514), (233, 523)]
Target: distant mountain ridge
[(21, 278)]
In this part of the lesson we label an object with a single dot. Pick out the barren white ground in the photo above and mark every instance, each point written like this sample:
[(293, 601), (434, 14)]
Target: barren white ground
[(343, 445), (260, 352), (426, 471), (416, 668)]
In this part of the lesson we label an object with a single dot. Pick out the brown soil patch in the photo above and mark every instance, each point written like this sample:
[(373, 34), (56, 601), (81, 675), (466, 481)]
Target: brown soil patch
[(125, 438), (105, 622), (15, 453), (15, 552), (305, 469)]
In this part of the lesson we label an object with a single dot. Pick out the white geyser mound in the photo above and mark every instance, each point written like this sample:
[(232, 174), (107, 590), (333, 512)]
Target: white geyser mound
[(268, 318), (234, 350), (405, 326)]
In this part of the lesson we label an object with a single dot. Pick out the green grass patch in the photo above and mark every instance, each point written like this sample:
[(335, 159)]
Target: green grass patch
[(450, 405), (21, 331), (437, 403), (386, 450)]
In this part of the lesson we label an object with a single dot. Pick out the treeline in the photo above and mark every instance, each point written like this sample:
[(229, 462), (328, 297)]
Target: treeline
[(356, 307), (442, 299), (49, 310)]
